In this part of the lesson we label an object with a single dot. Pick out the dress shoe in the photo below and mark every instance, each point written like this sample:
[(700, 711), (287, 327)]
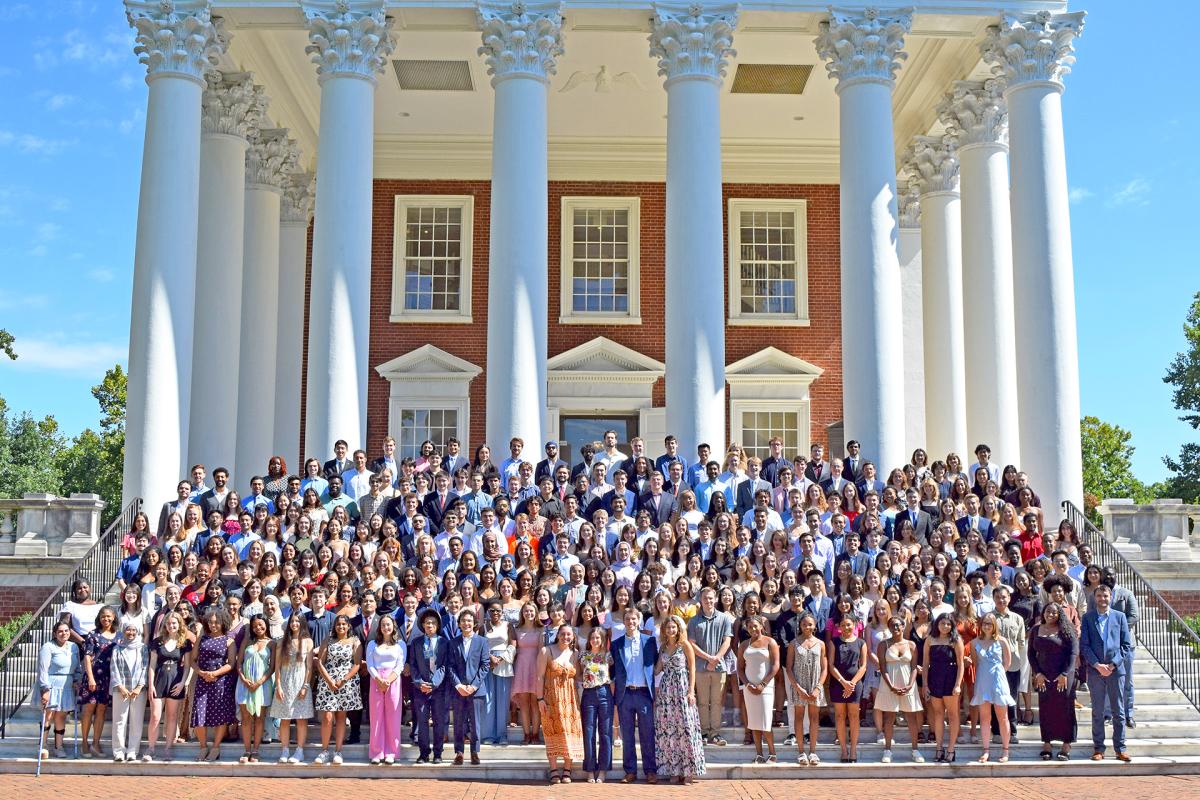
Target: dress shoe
[(1123, 756), (651, 779), (1097, 756), (1131, 723), (629, 778), (458, 759), (475, 759)]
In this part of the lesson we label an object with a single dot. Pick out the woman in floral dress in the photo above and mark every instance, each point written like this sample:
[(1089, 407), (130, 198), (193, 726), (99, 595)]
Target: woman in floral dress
[(558, 702), (677, 742), (214, 705), (337, 665)]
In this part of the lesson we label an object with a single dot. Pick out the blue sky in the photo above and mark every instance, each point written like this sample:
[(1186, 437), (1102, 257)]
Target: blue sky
[(70, 157)]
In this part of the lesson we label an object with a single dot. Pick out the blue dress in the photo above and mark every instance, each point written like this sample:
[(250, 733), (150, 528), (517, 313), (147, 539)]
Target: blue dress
[(991, 685), (58, 669)]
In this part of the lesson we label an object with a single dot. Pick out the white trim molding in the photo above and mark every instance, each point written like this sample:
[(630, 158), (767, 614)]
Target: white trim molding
[(429, 377), (799, 209), (566, 261), (398, 313), (771, 380)]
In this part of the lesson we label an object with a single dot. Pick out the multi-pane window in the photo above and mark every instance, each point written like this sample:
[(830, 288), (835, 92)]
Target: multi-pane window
[(419, 424), (600, 259), (433, 262), (768, 260), (759, 426)]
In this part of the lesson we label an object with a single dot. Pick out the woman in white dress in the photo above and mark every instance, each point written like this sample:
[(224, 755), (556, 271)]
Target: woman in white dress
[(898, 687), (758, 662)]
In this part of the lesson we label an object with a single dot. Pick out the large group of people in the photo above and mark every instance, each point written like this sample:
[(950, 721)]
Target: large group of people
[(659, 602)]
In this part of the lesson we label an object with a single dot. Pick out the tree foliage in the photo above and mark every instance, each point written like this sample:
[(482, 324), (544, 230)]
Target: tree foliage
[(1184, 375), (6, 344), (1108, 464), (36, 457)]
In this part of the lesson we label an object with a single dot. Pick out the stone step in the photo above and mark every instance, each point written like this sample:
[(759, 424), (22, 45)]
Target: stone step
[(1021, 765)]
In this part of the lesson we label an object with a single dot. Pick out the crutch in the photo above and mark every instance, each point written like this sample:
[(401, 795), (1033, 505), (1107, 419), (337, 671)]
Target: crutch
[(78, 705), (41, 743)]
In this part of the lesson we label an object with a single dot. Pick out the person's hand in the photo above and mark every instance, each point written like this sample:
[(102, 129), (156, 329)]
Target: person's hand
[(462, 690), (1039, 682), (427, 688), (91, 685), (691, 698), (495, 660), (45, 699), (957, 691), (1060, 683), (902, 690), (279, 692), (303, 692)]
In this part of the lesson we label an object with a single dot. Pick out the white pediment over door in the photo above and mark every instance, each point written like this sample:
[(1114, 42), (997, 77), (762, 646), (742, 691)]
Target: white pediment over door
[(603, 360), (771, 373), (428, 363)]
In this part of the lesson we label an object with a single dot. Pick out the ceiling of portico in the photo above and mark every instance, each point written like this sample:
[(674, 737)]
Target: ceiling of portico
[(619, 134)]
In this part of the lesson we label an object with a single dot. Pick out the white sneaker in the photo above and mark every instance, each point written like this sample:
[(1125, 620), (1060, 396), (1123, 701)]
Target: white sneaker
[(917, 757), (297, 756), (283, 756), (389, 760), (337, 758), (879, 739), (887, 757), (322, 758)]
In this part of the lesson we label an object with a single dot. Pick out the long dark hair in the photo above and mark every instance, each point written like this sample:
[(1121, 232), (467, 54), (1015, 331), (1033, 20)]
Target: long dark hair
[(937, 627)]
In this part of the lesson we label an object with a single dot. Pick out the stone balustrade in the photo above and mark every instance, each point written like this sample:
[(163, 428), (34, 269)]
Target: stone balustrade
[(1161, 530), (48, 526)]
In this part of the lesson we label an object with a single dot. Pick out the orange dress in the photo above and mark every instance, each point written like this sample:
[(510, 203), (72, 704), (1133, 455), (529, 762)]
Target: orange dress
[(561, 725), (968, 630)]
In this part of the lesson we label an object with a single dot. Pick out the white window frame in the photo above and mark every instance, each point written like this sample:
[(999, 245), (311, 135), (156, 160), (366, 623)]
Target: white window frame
[(799, 208), (429, 377), (802, 409), (567, 314), (403, 202), (397, 407)]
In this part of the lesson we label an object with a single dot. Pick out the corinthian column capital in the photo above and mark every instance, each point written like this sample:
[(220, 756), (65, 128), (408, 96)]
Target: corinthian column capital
[(693, 42), (270, 158), (348, 38), (297, 204), (1033, 48), (863, 46), (932, 161), (520, 39), (975, 112), (175, 37), (232, 104), (908, 203)]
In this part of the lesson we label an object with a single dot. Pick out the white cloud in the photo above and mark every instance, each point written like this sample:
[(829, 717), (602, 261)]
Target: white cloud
[(1134, 193), (126, 82), (56, 354), (39, 251), (101, 274), (10, 300), (33, 145), (47, 231), (133, 121), (56, 102), (60, 204), (1079, 193)]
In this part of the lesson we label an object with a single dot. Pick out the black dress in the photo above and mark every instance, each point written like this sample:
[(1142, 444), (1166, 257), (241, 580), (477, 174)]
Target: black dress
[(168, 670), (1052, 655), (847, 659), (942, 670)]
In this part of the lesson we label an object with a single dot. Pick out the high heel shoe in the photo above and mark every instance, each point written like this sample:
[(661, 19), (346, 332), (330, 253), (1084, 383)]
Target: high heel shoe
[(951, 756), (983, 759), (940, 756), (1003, 757)]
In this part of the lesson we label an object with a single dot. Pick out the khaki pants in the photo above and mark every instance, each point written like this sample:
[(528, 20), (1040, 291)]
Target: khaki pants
[(710, 688)]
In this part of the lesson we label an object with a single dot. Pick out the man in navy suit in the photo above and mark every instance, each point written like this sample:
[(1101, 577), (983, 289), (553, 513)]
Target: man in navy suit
[(438, 502), (470, 664), (550, 464), (337, 465), (660, 504), (633, 656), (1104, 642), (429, 660), (974, 520), (921, 521)]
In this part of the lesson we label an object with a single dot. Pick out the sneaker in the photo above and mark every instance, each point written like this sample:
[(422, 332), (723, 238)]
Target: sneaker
[(814, 760), (389, 760), (60, 752), (322, 758), (917, 757), (297, 756), (879, 739), (147, 758), (789, 740), (802, 759), (337, 758), (887, 757), (719, 740), (283, 756)]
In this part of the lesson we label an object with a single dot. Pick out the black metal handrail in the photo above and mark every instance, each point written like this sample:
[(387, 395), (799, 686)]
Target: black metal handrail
[(1165, 635), (18, 661)]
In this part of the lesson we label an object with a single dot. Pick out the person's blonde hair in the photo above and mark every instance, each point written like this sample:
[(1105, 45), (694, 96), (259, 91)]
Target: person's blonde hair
[(680, 637)]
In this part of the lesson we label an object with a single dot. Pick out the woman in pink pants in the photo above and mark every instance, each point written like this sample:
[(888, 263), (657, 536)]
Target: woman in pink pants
[(385, 661)]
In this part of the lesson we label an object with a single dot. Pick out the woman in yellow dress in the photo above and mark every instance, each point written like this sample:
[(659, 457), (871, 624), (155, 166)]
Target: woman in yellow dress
[(558, 702)]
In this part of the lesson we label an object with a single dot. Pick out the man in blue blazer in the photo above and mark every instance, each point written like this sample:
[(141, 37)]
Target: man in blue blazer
[(470, 664), (633, 656), (429, 661), (1104, 642), (659, 503)]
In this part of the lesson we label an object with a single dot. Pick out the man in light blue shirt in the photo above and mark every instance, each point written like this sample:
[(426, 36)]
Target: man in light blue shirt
[(256, 497), (510, 467), (698, 471), (707, 488)]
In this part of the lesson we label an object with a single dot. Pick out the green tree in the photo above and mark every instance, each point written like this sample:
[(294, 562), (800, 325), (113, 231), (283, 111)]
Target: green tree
[(29, 453), (95, 460), (1184, 375), (1108, 464), (6, 344)]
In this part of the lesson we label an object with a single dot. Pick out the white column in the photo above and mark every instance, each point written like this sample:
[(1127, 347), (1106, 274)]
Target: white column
[(934, 167), (912, 325), (175, 42), (232, 108), (520, 42), (692, 46), (350, 43), (975, 114), (295, 212), (863, 51), (269, 160), (1033, 52)]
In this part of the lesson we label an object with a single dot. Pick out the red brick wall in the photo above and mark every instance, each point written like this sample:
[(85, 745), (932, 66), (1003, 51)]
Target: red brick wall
[(1185, 603), (820, 343), (16, 600)]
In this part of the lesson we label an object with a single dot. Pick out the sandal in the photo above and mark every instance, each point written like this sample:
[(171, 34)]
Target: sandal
[(1047, 755), (566, 776), (203, 756), (245, 759), (555, 777), (1003, 757), (983, 759), (1063, 755)]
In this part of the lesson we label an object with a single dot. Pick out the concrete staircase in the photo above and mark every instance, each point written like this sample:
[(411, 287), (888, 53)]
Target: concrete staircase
[(1166, 741)]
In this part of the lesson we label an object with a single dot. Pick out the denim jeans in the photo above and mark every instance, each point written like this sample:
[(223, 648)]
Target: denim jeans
[(597, 706), (493, 726)]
